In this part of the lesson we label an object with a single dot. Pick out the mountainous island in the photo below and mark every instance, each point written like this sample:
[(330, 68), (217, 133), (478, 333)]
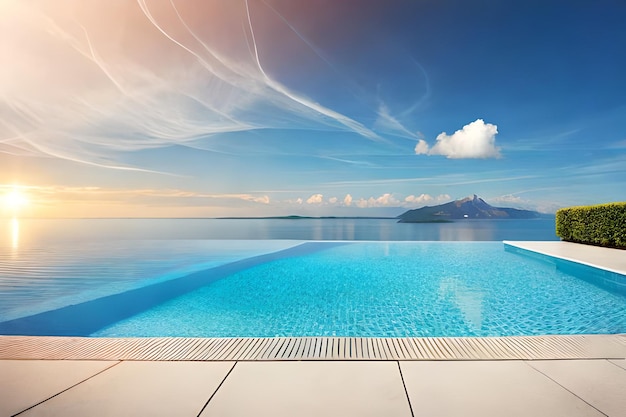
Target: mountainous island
[(466, 208)]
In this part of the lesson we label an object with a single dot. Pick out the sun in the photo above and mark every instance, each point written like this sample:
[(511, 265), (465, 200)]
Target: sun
[(15, 199)]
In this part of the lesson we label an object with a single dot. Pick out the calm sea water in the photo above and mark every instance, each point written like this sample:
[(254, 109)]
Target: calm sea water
[(30, 232)]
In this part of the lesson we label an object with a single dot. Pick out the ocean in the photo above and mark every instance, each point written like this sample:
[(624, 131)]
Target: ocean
[(41, 232)]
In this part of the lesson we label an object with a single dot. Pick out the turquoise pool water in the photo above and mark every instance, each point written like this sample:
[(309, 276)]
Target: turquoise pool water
[(388, 289), (290, 288)]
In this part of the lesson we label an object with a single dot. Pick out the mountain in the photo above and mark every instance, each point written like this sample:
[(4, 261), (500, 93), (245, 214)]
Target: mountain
[(467, 208)]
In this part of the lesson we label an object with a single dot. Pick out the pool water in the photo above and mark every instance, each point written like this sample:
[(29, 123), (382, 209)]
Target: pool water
[(43, 278), (387, 289)]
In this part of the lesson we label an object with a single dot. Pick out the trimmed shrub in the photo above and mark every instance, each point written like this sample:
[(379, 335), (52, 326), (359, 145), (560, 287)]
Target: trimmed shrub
[(602, 225)]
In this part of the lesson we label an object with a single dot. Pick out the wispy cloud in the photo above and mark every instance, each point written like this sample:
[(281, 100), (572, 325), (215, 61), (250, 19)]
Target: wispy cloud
[(614, 164), (373, 182), (386, 122), (621, 144), (158, 79), (65, 194), (543, 141), (435, 180)]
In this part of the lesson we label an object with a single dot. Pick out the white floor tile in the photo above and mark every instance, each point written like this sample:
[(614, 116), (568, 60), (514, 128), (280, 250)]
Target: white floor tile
[(26, 383), (487, 389), (600, 383), (320, 389), (140, 389)]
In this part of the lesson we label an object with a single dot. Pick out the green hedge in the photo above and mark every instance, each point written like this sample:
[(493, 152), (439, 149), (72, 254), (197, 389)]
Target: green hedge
[(603, 225)]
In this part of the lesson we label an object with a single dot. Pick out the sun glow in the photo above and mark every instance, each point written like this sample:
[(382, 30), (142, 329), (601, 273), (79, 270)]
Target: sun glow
[(15, 199)]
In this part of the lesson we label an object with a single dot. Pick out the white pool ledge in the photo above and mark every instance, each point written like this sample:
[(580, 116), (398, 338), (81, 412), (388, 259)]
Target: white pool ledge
[(609, 259)]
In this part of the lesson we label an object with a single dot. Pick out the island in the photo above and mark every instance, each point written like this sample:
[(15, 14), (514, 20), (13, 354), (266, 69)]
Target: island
[(472, 207)]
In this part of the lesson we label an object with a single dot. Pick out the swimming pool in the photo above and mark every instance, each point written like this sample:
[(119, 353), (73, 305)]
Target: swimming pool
[(367, 289)]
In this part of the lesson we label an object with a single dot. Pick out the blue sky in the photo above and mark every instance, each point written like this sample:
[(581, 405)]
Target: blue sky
[(275, 107)]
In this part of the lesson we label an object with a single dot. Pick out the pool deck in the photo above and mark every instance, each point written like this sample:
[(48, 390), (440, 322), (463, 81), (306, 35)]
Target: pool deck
[(582, 375), (604, 258)]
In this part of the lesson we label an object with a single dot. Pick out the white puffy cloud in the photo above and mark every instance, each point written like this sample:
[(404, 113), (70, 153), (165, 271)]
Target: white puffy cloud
[(421, 147), (385, 200), (315, 199), (474, 140), (422, 199)]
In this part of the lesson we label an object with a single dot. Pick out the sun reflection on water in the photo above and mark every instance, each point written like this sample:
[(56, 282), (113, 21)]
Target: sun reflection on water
[(15, 233)]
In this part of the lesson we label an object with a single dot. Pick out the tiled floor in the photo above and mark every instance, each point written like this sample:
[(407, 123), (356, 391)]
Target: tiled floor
[(314, 388)]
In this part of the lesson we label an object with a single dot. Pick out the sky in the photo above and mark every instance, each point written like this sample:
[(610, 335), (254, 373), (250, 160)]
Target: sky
[(181, 108)]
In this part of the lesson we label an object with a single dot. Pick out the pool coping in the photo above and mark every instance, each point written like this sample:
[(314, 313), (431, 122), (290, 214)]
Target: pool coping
[(314, 348), (608, 259)]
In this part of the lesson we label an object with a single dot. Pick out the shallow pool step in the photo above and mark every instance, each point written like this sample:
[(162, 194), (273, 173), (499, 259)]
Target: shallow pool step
[(314, 348)]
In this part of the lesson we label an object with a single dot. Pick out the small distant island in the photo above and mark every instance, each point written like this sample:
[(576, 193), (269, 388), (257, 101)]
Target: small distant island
[(472, 207), (294, 217)]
